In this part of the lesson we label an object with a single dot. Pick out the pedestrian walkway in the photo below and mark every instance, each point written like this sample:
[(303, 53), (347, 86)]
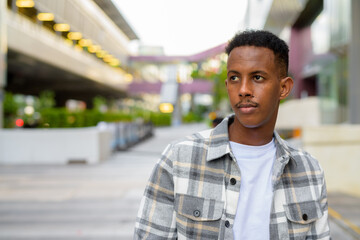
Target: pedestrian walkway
[(93, 202), (100, 202), (344, 211)]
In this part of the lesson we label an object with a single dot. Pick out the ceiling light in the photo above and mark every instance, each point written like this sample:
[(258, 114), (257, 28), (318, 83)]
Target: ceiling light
[(128, 78), (74, 35), (94, 48), (61, 27), (101, 54), (114, 62), (25, 3), (45, 16), (107, 58), (85, 42)]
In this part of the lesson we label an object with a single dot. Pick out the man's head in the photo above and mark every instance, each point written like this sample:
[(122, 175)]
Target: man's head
[(257, 78), (264, 39)]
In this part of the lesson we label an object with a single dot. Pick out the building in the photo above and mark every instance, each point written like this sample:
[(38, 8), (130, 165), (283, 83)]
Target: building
[(324, 43), (77, 49)]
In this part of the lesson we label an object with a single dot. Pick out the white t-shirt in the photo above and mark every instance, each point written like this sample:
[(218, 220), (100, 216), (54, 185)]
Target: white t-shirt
[(253, 211)]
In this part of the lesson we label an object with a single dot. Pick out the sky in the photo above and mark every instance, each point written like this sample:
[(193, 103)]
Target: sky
[(183, 27)]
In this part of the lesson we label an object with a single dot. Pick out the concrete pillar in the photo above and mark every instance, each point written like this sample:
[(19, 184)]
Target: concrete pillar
[(354, 60), (3, 51), (300, 53), (170, 93)]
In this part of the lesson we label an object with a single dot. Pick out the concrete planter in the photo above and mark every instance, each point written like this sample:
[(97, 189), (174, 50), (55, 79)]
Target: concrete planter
[(337, 147), (54, 146)]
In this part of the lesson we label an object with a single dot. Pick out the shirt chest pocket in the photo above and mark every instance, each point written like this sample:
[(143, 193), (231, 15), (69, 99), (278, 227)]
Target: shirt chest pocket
[(196, 216), (300, 216)]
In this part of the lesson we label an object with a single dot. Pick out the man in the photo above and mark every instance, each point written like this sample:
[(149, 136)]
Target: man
[(239, 180)]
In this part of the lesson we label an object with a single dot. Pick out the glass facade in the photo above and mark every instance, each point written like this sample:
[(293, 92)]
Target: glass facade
[(333, 91), (333, 77), (339, 18)]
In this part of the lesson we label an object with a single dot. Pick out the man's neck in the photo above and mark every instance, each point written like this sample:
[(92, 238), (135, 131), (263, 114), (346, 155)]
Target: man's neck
[(250, 136)]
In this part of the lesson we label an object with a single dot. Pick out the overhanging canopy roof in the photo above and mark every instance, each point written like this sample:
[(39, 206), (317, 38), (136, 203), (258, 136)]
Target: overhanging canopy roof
[(114, 14), (296, 13)]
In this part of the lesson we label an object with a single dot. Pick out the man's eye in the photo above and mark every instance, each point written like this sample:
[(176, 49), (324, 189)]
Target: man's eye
[(258, 78), (234, 78)]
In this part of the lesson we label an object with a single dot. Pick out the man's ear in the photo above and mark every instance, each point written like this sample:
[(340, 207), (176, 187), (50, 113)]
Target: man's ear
[(286, 84)]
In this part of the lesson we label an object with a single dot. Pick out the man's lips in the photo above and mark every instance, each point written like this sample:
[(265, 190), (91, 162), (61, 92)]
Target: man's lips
[(246, 107)]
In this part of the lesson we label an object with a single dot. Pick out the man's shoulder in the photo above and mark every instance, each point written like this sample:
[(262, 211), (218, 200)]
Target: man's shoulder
[(186, 148), (193, 139), (303, 159)]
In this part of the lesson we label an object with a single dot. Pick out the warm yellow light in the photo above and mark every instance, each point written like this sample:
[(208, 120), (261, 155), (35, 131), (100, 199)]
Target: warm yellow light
[(25, 3), (85, 42), (166, 108), (128, 78), (45, 16), (61, 27), (74, 35), (68, 42), (212, 115), (108, 58), (101, 54), (78, 48), (94, 48), (114, 62)]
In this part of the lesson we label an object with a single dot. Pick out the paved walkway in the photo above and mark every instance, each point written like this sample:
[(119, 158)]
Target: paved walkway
[(101, 201)]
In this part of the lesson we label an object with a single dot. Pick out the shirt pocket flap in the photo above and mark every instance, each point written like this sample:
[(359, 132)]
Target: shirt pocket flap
[(197, 208), (303, 212)]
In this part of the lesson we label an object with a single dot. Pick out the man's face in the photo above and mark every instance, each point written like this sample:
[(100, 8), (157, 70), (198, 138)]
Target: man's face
[(254, 86)]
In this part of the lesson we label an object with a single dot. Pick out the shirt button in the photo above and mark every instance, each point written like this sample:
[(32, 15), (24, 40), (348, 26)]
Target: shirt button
[(233, 181), (197, 213), (227, 224), (305, 217)]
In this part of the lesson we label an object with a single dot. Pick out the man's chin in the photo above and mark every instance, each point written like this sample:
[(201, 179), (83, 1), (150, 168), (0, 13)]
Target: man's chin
[(251, 124)]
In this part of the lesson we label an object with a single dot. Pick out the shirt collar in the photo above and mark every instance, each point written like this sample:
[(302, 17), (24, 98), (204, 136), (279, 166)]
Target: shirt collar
[(219, 142)]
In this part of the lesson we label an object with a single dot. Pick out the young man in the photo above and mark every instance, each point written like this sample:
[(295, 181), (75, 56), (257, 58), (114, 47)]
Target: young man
[(239, 180)]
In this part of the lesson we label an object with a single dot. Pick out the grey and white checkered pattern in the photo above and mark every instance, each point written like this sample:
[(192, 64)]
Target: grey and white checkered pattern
[(189, 195)]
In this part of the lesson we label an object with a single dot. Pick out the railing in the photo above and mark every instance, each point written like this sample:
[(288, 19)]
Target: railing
[(127, 134)]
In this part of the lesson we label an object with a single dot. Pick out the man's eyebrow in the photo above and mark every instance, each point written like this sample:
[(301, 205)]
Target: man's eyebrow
[(259, 72), (252, 73), (232, 71)]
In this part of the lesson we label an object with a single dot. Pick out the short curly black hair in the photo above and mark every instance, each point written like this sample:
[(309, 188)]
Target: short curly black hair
[(261, 38)]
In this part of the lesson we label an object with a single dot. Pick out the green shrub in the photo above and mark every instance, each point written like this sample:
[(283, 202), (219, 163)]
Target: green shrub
[(160, 119), (191, 117), (62, 118)]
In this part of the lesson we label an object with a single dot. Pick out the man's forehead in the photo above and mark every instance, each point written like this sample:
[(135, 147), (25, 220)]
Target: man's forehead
[(251, 56), (252, 52)]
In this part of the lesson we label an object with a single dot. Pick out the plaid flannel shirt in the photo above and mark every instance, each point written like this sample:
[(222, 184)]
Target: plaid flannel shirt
[(194, 189)]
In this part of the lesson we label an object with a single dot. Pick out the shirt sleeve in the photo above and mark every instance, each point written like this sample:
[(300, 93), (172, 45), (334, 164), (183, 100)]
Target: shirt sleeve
[(320, 229), (156, 216)]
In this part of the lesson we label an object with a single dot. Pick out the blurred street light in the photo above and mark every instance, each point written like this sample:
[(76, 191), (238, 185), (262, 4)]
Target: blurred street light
[(29, 110), (166, 108)]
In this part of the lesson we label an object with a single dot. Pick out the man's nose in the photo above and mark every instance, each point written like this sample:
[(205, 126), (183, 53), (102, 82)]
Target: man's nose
[(245, 89)]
